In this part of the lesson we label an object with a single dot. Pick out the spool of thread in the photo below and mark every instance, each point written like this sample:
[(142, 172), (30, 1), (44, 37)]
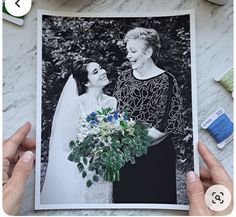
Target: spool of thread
[(9, 17), (220, 127), (218, 2), (6, 16), (227, 80)]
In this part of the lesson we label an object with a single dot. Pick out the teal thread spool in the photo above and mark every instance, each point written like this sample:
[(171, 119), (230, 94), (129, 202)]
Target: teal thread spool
[(6, 16)]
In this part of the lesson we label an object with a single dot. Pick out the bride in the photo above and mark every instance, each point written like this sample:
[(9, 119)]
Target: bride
[(63, 183)]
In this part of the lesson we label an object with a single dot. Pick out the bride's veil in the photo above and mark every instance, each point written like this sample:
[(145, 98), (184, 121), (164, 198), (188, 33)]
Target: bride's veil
[(65, 117), (63, 130)]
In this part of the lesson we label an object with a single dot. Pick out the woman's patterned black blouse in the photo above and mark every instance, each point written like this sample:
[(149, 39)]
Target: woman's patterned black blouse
[(156, 101)]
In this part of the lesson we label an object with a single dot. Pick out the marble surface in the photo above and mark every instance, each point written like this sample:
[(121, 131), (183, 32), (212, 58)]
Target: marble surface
[(214, 55)]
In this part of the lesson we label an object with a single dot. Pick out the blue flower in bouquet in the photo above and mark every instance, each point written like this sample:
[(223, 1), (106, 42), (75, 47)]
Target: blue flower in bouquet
[(125, 117), (116, 115), (92, 118), (93, 122), (110, 118)]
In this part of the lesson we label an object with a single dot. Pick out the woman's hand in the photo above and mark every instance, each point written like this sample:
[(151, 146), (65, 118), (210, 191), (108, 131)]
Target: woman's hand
[(212, 175), (156, 134), (17, 164)]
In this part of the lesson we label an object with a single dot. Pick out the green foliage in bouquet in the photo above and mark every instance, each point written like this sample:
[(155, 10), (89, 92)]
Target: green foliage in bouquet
[(106, 142)]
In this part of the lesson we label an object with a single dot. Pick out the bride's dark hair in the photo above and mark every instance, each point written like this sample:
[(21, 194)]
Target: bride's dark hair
[(80, 73)]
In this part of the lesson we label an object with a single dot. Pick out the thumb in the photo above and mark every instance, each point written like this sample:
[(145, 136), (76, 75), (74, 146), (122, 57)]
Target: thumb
[(14, 189), (196, 193)]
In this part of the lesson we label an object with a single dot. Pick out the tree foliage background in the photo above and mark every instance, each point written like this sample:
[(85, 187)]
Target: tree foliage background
[(64, 39)]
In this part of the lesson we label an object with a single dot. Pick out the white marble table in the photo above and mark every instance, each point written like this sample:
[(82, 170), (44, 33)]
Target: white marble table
[(214, 41)]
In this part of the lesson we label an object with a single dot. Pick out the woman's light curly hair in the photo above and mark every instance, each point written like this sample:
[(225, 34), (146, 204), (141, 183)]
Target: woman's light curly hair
[(149, 36)]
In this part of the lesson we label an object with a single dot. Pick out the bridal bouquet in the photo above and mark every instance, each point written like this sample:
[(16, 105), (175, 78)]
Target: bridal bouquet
[(105, 142)]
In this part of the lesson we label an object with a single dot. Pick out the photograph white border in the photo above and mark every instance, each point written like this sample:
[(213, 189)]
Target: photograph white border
[(38, 205)]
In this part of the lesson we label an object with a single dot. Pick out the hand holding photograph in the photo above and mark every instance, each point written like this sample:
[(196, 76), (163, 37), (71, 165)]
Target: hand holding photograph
[(117, 110)]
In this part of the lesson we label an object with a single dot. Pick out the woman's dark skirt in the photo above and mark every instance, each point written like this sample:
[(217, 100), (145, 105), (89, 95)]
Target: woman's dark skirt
[(152, 179)]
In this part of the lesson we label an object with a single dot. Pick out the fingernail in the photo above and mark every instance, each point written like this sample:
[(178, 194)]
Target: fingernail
[(191, 176), (26, 123), (28, 156)]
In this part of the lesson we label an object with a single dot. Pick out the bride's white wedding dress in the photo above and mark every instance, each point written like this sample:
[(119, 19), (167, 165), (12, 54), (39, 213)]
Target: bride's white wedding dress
[(63, 183)]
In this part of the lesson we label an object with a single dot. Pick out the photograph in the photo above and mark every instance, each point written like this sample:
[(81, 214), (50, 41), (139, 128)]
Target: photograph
[(116, 110)]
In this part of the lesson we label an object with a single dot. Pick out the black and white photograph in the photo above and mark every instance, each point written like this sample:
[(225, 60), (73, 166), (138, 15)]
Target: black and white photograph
[(116, 100)]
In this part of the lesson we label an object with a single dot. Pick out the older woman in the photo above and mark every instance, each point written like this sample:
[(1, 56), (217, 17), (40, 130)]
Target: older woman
[(149, 94)]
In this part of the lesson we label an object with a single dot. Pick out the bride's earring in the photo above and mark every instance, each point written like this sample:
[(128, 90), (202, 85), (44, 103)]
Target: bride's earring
[(88, 84)]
